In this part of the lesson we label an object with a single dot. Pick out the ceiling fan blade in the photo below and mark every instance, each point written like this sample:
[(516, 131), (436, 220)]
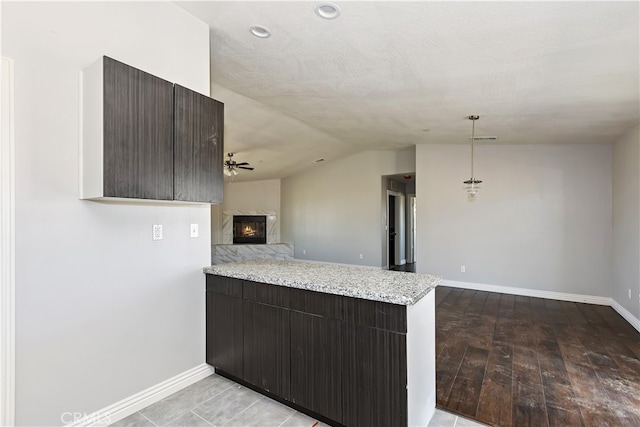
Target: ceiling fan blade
[(242, 164), (245, 167)]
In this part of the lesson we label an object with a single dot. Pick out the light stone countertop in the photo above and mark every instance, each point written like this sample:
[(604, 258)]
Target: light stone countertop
[(353, 281)]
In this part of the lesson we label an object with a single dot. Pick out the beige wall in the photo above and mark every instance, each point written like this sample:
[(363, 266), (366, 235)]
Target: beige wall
[(626, 221), (334, 211), (246, 196), (542, 219), (102, 311)]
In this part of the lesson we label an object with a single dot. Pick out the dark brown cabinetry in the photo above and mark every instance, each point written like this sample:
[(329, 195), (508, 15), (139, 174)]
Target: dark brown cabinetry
[(145, 138), (225, 325), (381, 395), (266, 320), (341, 358), (138, 133), (317, 352), (316, 364), (199, 125), (267, 348)]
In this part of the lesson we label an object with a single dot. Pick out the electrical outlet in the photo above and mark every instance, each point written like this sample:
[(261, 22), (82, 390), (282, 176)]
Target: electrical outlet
[(304, 252), (360, 256), (629, 293), (194, 230), (463, 269), (157, 232)]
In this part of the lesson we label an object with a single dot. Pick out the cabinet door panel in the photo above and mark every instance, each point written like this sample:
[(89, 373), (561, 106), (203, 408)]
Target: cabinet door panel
[(375, 383), (316, 363), (266, 294), (138, 133), (376, 314), (224, 333), (224, 285), (199, 128), (267, 348), (318, 303)]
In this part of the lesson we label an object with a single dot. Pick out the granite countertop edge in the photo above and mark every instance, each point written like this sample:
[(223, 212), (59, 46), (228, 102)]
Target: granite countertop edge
[(426, 283)]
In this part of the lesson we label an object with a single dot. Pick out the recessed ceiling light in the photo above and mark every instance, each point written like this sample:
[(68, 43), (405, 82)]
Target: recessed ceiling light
[(260, 31), (327, 10)]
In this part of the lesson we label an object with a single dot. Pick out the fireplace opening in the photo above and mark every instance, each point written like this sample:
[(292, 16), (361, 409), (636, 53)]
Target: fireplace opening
[(250, 229)]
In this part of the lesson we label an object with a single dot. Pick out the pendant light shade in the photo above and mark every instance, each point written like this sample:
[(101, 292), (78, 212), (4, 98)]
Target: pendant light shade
[(472, 183)]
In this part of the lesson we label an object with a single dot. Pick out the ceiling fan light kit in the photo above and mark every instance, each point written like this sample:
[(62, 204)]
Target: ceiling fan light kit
[(231, 166), (472, 183)]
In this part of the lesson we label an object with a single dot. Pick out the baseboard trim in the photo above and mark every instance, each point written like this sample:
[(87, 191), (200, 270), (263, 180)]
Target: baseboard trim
[(626, 314), (561, 296), (138, 401)]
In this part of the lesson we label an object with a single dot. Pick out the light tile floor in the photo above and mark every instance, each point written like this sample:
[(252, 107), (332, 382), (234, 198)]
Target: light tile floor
[(216, 401)]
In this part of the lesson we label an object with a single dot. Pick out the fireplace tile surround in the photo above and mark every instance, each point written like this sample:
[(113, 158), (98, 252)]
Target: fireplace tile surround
[(228, 252), (273, 231), (221, 254)]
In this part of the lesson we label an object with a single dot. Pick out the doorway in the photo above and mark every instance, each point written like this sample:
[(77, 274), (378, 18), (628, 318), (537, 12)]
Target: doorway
[(395, 226), (411, 241), (398, 216), (392, 230)]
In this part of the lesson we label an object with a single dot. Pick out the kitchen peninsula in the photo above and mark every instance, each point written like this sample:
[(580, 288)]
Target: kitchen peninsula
[(349, 345)]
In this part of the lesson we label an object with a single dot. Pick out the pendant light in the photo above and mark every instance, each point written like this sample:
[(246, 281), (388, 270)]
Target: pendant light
[(472, 183)]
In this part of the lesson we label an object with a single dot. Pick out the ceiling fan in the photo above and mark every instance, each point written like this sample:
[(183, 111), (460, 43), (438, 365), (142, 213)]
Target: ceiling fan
[(231, 166)]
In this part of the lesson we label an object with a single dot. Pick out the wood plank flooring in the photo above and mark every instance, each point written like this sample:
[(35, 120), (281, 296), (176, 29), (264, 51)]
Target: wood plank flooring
[(516, 361)]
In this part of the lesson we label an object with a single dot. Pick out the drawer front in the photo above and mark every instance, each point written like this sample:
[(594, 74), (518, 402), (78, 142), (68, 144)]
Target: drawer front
[(317, 303), (376, 314), (224, 285), (275, 295)]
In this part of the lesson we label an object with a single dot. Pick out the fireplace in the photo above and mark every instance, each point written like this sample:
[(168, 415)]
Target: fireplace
[(250, 229)]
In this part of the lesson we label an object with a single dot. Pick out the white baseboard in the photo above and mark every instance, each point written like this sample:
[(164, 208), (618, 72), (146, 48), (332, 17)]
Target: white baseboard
[(562, 296), (138, 401), (635, 322)]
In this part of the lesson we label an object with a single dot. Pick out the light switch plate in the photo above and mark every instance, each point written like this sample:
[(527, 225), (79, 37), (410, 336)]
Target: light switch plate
[(194, 230), (157, 232)]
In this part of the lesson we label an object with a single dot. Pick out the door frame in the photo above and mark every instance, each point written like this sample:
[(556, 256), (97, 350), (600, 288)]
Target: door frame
[(399, 224), (7, 244), (411, 229)]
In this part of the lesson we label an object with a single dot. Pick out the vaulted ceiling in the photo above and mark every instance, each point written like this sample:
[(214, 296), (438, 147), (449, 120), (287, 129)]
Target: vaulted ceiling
[(387, 75)]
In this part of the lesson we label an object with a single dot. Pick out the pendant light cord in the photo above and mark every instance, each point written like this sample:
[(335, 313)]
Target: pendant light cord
[(473, 135)]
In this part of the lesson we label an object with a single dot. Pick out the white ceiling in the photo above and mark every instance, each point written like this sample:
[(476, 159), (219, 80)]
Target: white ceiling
[(387, 75)]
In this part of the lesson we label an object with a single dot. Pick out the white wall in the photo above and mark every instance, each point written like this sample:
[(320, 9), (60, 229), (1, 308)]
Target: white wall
[(246, 196), (334, 211), (626, 221), (102, 311), (542, 219)]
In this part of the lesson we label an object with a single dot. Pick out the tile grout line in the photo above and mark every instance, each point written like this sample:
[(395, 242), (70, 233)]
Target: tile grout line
[(288, 418), (214, 396), (211, 424), (189, 410), (245, 409), (143, 416)]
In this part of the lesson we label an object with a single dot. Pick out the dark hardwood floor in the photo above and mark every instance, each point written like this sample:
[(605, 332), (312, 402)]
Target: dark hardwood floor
[(508, 360)]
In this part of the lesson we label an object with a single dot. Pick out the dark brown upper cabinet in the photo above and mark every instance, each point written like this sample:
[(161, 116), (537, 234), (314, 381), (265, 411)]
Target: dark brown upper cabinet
[(198, 150), (145, 138)]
